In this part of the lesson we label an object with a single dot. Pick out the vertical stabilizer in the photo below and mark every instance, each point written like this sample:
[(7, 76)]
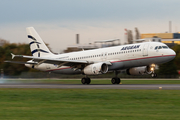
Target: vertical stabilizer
[(37, 46)]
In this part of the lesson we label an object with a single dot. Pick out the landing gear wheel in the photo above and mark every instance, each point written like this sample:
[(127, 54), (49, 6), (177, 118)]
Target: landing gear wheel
[(115, 80), (154, 75), (85, 80), (118, 80), (88, 80)]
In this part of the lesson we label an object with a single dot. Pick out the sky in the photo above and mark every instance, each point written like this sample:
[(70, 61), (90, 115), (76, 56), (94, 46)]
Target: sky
[(58, 21)]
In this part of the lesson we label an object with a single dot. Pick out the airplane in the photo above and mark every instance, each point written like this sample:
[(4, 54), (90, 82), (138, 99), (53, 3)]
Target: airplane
[(136, 59)]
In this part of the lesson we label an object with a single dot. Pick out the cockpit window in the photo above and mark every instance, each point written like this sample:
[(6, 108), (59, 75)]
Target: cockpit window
[(165, 47), (160, 47), (156, 47)]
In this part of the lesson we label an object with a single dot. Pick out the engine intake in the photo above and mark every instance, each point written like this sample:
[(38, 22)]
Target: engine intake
[(95, 69)]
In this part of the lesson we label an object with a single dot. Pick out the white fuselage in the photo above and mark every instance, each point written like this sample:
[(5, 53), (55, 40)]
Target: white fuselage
[(121, 57)]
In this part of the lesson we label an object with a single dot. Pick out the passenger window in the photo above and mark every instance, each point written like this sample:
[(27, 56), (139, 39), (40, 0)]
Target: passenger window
[(160, 47), (156, 47)]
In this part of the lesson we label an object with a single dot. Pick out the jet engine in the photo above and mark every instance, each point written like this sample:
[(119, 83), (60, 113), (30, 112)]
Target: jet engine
[(140, 70), (95, 69)]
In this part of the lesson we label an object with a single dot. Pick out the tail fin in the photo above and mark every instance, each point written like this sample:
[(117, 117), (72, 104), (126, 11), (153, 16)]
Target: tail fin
[(37, 46)]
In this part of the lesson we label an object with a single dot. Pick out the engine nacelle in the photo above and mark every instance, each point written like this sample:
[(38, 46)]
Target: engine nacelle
[(95, 69), (139, 70)]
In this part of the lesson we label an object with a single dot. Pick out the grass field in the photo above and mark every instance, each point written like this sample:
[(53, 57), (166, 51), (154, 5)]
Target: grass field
[(94, 81), (88, 104)]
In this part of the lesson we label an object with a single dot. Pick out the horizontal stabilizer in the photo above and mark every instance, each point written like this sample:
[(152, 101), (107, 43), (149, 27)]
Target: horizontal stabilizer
[(19, 62), (12, 55)]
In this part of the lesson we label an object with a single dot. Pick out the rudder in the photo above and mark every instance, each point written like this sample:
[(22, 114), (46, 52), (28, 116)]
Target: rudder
[(37, 46)]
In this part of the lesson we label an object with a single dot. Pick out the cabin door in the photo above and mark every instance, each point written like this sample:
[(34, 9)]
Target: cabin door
[(145, 49)]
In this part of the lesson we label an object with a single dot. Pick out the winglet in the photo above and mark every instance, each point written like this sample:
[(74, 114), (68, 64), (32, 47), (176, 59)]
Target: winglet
[(12, 55)]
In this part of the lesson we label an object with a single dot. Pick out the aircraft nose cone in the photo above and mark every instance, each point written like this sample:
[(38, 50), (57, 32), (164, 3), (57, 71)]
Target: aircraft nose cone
[(173, 53)]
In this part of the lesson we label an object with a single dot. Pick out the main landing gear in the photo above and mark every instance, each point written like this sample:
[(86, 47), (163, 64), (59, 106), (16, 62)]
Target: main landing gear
[(85, 80), (116, 79)]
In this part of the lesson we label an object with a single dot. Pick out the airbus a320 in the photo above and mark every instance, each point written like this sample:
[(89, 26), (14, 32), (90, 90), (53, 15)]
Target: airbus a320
[(136, 59)]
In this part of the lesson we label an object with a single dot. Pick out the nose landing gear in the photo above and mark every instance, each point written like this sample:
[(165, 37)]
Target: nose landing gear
[(152, 68), (154, 75)]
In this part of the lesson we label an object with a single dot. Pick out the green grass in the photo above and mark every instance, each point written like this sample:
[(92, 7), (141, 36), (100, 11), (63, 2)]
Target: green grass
[(88, 104), (95, 81)]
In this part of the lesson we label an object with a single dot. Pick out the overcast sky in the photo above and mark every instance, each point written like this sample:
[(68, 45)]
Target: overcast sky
[(57, 21)]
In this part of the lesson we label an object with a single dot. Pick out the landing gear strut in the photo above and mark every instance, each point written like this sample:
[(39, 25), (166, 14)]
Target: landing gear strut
[(85, 80), (116, 79)]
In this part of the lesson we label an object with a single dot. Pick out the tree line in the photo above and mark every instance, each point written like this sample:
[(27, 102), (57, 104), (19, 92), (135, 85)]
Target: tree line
[(10, 69)]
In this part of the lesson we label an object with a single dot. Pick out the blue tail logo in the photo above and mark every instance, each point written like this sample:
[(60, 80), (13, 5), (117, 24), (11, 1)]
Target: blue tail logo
[(37, 44)]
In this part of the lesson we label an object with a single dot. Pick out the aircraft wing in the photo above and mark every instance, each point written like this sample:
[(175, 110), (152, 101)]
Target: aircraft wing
[(59, 62)]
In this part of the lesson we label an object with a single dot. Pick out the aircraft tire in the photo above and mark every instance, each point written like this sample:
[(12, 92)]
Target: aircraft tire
[(83, 80), (154, 75), (88, 80), (113, 80), (118, 80)]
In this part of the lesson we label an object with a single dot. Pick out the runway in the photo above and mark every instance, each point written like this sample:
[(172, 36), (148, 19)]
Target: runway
[(92, 86)]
